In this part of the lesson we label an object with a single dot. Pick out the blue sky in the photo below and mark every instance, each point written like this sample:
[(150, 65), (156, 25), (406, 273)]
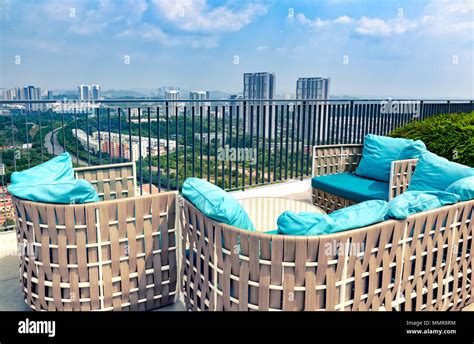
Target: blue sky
[(419, 48)]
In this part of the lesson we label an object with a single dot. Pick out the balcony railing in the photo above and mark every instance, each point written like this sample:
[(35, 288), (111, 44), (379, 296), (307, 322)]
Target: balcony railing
[(235, 144)]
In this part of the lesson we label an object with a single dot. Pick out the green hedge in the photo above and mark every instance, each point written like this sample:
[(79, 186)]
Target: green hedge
[(448, 135)]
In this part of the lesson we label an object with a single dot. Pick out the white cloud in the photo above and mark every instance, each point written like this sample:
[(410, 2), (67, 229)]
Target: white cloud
[(439, 16), (196, 15), (379, 27)]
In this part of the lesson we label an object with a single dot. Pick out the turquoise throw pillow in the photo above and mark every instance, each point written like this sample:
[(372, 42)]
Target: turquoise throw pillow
[(215, 203), (356, 216), (412, 202), (412, 151), (65, 191), (436, 173), (463, 187), (379, 152), (52, 182), (57, 168)]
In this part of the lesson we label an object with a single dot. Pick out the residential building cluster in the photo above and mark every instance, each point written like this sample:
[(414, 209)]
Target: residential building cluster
[(28, 93), (6, 207), (112, 144), (89, 92)]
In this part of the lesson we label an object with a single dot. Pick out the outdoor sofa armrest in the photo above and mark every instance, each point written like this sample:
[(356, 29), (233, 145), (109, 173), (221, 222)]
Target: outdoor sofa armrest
[(111, 181), (400, 175), (332, 159)]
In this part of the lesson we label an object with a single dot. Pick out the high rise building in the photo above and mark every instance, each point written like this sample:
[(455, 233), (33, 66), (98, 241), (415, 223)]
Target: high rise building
[(84, 92), (50, 95), (260, 86), (172, 105), (198, 95), (95, 90), (312, 88)]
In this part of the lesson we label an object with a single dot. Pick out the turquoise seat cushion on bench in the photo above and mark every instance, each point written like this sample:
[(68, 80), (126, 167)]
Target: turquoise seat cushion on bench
[(216, 203), (356, 216), (352, 187), (52, 182), (464, 188)]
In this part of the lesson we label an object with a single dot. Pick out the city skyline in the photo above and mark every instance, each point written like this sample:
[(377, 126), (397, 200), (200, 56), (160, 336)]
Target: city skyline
[(405, 48)]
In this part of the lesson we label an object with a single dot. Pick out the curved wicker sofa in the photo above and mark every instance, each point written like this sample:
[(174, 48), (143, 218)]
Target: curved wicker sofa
[(341, 158), (116, 254), (422, 263)]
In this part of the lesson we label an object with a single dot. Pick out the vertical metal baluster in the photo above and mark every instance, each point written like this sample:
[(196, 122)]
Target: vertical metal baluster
[(223, 146), (97, 114), (158, 135), (287, 139), (119, 114), (200, 143), (251, 144), (230, 144), (302, 125), (41, 134), (150, 175), (257, 175), (130, 135), (185, 124), (77, 139), (110, 135), (310, 136), (177, 146), (87, 138), (140, 153), (320, 131), (282, 114), (244, 140), (193, 159), (52, 134), (216, 138), (237, 131), (298, 131), (27, 139), (168, 172), (269, 155), (292, 142), (275, 144), (264, 124), (208, 142)]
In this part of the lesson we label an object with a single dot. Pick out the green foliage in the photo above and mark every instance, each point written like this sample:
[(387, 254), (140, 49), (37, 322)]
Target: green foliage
[(448, 135)]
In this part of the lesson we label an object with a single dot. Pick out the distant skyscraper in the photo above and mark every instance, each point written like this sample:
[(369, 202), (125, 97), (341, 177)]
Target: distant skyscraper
[(312, 88), (84, 92), (259, 85), (25, 93), (198, 95), (95, 89), (172, 95), (50, 94)]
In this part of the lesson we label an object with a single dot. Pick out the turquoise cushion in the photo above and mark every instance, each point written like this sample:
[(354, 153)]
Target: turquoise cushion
[(57, 168), (463, 187), (356, 216), (65, 191), (411, 202), (412, 151), (379, 152), (52, 182), (351, 186), (215, 203), (436, 173)]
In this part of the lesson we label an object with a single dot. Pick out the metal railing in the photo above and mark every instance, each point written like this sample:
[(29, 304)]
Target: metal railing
[(235, 144)]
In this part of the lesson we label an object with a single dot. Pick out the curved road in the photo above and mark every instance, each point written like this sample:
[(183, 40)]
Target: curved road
[(58, 149)]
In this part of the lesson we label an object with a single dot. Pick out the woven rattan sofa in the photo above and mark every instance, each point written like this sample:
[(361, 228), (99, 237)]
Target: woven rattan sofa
[(116, 254), (421, 263), (341, 158)]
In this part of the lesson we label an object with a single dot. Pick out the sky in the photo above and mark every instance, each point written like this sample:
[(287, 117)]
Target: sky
[(404, 48)]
